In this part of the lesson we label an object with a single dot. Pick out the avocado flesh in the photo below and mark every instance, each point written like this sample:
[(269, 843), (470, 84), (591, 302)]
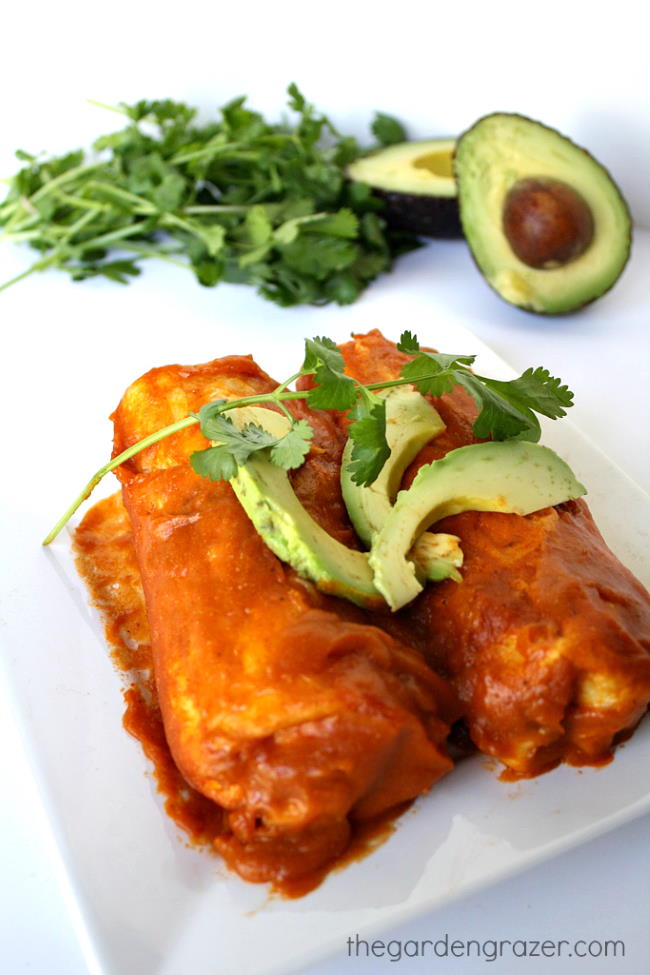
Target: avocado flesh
[(437, 556), (266, 495), (514, 477), (416, 182), (411, 422), (495, 154)]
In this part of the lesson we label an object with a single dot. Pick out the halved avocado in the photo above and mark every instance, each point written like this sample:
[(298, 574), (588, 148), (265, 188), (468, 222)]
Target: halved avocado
[(416, 182), (546, 224)]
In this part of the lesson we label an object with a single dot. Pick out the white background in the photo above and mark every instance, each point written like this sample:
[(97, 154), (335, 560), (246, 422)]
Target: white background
[(582, 67)]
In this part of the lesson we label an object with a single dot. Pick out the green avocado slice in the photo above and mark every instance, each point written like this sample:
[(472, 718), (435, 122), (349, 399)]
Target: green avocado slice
[(411, 421), (515, 477), (266, 494), (546, 224)]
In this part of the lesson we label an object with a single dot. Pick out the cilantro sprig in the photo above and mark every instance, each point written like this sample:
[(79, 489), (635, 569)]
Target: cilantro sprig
[(235, 199), (507, 410), (236, 446)]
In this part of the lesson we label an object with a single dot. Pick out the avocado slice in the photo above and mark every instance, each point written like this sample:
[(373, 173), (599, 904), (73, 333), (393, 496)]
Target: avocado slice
[(545, 222), (266, 495), (411, 422), (515, 477), (416, 182)]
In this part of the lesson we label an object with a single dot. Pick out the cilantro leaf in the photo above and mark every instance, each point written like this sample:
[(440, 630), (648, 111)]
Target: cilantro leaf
[(208, 413), (434, 373), (296, 98), (536, 386), (215, 463), (322, 350), (387, 129), (240, 442), (169, 193), (217, 426), (291, 450), (367, 431), (319, 255), (500, 417), (213, 237), (333, 390), (342, 223), (235, 446), (408, 343), (258, 225), (119, 271), (506, 409)]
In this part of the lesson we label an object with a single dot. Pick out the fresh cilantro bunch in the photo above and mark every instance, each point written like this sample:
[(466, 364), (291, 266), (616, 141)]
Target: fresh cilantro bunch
[(239, 199), (506, 411)]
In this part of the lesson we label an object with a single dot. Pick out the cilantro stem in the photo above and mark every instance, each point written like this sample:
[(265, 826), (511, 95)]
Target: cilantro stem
[(286, 412), (274, 397), (65, 177), (161, 253), (21, 235), (402, 381), (291, 379), (109, 108), (115, 462), (171, 220), (139, 202), (22, 214), (209, 150), (130, 230), (77, 225), (37, 266), (82, 202), (201, 208)]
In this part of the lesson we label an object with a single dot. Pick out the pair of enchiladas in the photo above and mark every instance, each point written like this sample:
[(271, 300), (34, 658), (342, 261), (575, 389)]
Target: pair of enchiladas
[(293, 717)]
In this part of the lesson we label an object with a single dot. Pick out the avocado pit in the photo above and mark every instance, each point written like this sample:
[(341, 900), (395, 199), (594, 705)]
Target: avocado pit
[(546, 222)]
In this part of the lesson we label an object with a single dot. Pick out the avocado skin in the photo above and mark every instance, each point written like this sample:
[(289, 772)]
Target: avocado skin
[(463, 216), (426, 216)]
